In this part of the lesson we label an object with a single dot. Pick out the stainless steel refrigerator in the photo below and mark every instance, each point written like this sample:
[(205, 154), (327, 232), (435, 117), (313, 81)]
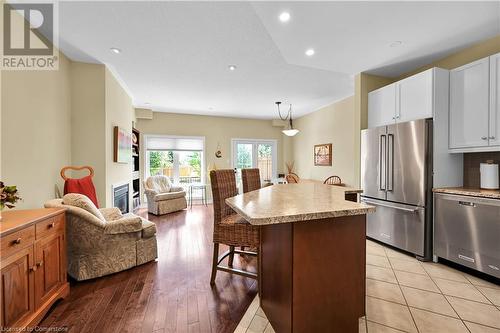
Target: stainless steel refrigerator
[(396, 177)]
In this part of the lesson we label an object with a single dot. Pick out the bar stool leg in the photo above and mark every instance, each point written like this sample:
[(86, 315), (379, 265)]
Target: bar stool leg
[(214, 263), (231, 256)]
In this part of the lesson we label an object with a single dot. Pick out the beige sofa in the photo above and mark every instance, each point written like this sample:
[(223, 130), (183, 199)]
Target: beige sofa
[(163, 197), (106, 241)]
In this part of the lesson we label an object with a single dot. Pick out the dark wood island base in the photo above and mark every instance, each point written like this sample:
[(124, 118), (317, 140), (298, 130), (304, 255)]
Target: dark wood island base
[(313, 274)]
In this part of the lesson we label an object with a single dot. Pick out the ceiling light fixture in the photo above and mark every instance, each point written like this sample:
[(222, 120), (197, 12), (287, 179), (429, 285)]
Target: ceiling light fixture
[(396, 43), (289, 130), (284, 17), (115, 50), (232, 67), (310, 52)]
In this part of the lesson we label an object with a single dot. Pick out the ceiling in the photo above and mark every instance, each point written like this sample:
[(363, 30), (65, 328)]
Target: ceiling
[(175, 55)]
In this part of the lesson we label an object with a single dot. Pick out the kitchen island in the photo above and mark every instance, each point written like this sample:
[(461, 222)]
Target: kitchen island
[(311, 257)]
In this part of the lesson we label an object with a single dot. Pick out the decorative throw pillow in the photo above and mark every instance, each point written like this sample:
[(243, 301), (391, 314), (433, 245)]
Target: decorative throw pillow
[(83, 202), (165, 185)]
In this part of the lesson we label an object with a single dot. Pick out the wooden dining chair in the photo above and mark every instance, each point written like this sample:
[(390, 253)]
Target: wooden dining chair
[(229, 228), (250, 179), (292, 178), (333, 180)]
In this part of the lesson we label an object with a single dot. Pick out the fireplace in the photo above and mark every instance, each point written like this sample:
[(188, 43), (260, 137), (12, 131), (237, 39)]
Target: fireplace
[(121, 197)]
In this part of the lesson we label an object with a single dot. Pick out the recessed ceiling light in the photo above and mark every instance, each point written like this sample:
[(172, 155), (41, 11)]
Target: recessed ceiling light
[(396, 43), (115, 50), (310, 52), (284, 17), (147, 103), (232, 67)]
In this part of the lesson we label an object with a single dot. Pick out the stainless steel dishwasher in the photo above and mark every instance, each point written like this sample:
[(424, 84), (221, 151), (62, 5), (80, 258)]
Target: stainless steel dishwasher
[(467, 231)]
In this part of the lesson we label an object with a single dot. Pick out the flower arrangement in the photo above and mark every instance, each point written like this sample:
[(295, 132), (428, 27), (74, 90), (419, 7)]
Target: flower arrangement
[(8, 196)]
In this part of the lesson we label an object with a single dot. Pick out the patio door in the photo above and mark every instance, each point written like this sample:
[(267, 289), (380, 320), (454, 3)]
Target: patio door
[(261, 154)]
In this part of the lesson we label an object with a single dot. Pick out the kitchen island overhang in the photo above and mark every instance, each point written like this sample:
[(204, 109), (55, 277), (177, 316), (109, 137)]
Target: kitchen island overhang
[(312, 255)]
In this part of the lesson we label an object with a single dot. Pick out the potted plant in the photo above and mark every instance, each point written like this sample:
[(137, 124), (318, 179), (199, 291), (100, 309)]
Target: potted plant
[(8, 197)]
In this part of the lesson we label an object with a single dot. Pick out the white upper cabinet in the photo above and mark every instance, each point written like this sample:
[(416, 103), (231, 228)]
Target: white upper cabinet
[(494, 134), (414, 97), (409, 99), (469, 106), (382, 106)]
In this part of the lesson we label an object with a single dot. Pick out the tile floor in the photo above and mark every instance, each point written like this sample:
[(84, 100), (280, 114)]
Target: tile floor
[(406, 295)]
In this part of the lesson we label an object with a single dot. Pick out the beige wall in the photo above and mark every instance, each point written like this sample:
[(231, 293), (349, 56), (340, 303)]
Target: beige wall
[(216, 130), (465, 56), (51, 119), (334, 124), (119, 112), (88, 121), (35, 132)]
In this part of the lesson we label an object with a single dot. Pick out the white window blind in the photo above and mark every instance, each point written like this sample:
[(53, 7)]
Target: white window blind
[(174, 143)]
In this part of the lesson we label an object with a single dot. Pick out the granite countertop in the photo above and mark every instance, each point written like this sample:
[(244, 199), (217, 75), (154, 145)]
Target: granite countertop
[(473, 192), (285, 203)]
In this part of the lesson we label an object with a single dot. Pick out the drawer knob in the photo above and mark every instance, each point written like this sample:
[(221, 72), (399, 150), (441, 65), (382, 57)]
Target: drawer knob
[(33, 269), (17, 241), (492, 138), (484, 138), (51, 225), (39, 264)]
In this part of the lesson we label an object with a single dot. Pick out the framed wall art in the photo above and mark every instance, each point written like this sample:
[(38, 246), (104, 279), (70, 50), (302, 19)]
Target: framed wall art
[(323, 154)]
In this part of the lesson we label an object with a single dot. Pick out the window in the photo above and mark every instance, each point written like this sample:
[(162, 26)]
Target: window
[(179, 158), (260, 154)]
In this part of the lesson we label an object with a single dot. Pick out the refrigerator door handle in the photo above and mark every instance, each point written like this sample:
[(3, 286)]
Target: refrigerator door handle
[(369, 202), (390, 162), (383, 162)]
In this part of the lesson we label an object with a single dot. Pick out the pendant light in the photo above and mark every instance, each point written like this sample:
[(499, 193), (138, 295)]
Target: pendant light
[(289, 130)]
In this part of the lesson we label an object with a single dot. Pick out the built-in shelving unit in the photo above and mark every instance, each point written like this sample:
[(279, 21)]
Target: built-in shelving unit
[(136, 183)]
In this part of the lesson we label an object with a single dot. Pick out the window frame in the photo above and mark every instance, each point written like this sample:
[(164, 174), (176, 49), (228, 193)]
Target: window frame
[(146, 159), (255, 143)]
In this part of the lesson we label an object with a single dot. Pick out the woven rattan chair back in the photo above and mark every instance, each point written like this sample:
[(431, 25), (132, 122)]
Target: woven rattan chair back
[(223, 186), (250, 179)]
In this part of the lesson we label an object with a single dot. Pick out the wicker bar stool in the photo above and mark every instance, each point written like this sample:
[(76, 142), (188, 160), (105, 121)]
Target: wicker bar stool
[(229, 228), (251, 179)]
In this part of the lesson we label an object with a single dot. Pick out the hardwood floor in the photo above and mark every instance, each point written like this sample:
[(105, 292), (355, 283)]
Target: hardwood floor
[(170, 295)]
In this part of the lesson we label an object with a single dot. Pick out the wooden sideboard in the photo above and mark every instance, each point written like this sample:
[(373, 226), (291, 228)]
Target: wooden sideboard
[(32, 265)]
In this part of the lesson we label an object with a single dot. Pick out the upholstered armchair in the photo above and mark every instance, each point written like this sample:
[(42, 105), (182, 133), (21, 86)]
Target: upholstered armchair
[(103, 241), (163, 197)]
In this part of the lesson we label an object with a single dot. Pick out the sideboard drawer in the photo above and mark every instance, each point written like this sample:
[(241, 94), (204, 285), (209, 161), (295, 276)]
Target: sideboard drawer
[(49, 226), (17, 240)]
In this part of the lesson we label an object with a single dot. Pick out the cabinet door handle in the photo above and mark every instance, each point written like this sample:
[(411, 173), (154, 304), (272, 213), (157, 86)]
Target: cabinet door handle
[(17, 241), (51, 225), (484, 138), (39, 264), (33, 269)]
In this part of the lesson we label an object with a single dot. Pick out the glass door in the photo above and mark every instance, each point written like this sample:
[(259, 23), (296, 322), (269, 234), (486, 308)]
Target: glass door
[(260, 154)]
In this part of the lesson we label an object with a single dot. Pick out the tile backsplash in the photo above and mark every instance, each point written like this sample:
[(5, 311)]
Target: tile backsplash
[(472, 176)]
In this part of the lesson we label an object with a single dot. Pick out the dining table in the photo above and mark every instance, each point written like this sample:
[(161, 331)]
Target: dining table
[(312, 254)]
